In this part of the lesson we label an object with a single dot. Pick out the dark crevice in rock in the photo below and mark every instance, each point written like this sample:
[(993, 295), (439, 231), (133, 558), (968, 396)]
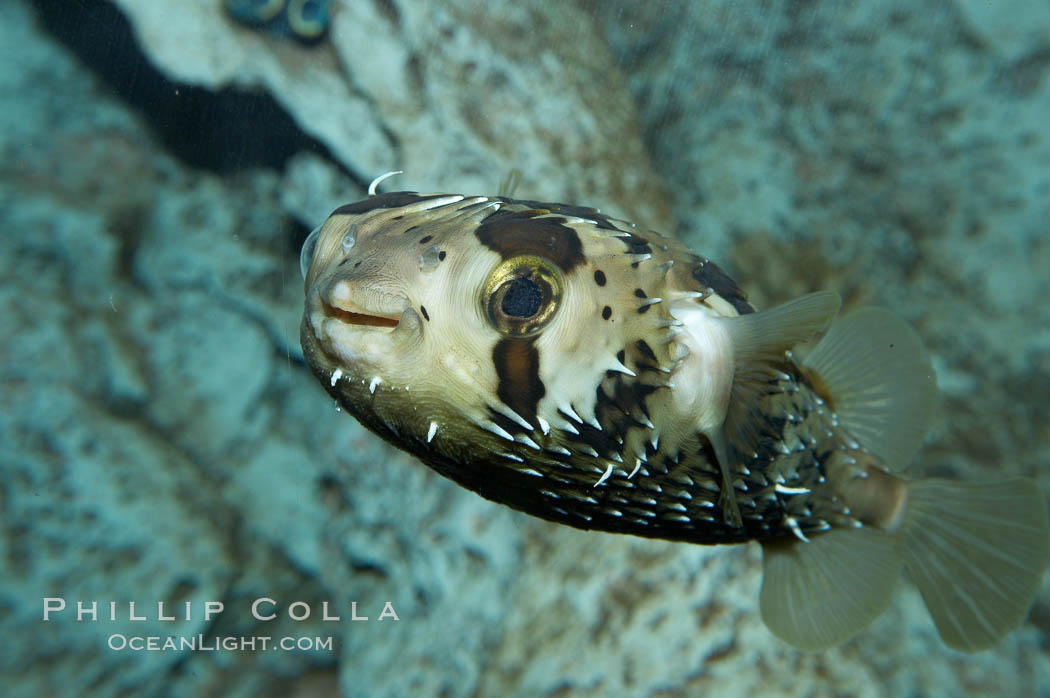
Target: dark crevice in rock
[(221, 131)]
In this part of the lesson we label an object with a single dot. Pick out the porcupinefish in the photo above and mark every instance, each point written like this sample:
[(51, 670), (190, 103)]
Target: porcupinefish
[(582, 370)]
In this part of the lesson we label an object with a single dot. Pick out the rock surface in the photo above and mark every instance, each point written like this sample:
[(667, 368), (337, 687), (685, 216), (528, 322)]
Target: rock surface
[(161, 439), (454, 96)]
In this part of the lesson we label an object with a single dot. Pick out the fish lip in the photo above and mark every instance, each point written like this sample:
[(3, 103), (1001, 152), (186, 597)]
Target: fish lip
[(349, 304), (361, 319)]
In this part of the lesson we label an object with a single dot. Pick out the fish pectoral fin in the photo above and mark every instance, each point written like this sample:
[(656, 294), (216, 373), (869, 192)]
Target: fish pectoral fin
[(758, 342), (819, 594), (762, 337), (727, 498), (872, 368), (977, 552)]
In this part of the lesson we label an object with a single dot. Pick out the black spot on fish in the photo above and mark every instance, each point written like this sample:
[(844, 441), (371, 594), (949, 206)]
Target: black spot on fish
[(425, 239), (599, 277), (517, 363), (644, 309), (441, 255), (708, 275), (423, 310), (513, 233), (606, 313), (644, 357), (621, 356), (635, 244), (391, 200), (640, 293)]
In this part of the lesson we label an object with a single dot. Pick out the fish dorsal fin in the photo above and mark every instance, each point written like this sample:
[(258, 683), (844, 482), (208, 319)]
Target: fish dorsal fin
[(758, 342), (818, 594), (872, 367)]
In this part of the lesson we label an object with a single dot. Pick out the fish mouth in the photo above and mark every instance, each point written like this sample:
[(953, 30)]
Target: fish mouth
[(351, 317)]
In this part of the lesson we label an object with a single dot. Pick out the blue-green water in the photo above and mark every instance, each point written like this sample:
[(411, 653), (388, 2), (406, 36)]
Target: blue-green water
[(161, 441)]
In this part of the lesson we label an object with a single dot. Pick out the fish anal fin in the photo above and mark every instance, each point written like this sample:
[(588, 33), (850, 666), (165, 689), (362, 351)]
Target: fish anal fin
[(819, 594)]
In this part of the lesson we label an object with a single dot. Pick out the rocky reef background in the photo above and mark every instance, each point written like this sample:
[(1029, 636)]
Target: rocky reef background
[(160, 438)]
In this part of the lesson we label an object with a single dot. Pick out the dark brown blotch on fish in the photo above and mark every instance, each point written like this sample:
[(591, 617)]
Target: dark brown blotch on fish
[(517, 363), (586, 212), (647, 352), (709, 275), (635, 245), (514, 233)]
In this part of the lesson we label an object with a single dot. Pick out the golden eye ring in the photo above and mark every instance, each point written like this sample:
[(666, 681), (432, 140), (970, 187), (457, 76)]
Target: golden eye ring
[(522, 295)]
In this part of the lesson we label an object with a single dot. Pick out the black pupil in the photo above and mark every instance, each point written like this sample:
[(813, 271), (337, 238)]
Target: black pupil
[(523, 298)]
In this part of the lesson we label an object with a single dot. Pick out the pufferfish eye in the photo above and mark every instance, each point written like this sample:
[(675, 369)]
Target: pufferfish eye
[(306, 254), (521, 295)]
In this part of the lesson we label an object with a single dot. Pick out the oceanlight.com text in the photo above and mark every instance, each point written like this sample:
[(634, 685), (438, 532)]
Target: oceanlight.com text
[(200, 643)]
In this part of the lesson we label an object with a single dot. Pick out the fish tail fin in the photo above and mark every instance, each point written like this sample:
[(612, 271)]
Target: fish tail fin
[(977, 552)]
